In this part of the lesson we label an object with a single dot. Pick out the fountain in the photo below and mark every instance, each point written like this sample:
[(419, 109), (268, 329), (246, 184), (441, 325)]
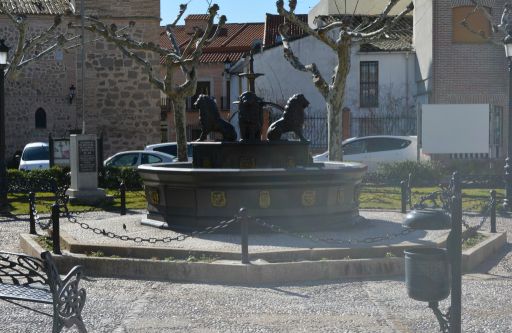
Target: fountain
[(275, 180)]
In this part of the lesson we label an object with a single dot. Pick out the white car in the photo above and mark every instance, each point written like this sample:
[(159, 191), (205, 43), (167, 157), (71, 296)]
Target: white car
[(35, 155), (134, 158), (372, 150), (170, 148)]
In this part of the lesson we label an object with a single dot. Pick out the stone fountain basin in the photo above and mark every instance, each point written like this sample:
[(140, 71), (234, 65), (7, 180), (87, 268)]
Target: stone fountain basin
[(300, 198)]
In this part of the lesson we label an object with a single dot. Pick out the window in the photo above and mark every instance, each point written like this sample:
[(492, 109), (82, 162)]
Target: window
[(476, 21), (385, 144), (40, 118), (125, 160), (369, 84), (354, 147), (149, 159)]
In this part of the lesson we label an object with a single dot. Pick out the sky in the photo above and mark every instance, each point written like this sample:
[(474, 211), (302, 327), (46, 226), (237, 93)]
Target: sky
[(237, 11)]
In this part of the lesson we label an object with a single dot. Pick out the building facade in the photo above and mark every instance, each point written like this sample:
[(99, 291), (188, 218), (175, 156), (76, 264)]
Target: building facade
[(119, 102)]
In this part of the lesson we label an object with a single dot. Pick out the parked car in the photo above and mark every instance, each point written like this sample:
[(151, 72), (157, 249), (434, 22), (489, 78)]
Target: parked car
[(35, 155), (372, 150), (170, 148), (134, 158)]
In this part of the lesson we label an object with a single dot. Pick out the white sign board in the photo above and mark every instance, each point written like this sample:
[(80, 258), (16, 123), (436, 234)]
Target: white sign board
[(455, 128)]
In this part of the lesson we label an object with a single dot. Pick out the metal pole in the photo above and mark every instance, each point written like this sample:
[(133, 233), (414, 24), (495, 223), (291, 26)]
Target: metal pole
[(31, 200), (455, 253), (3, 171), (493, 211), (82, 55), (56, 229), (508, 168), (122, 192), (244, 226), (403, 189)]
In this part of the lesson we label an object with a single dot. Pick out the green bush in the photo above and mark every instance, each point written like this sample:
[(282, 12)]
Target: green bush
[(423, 173), (111, 177), (37, 180)]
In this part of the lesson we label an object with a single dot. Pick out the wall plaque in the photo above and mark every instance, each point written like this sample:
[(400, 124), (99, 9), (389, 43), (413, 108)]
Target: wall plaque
[(87, 156)]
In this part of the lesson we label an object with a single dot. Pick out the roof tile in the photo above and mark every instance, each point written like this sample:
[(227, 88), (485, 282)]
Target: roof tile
[(39, 7)]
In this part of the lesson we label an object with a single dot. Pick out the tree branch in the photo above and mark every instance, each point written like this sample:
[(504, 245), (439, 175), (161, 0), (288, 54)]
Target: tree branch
[(318, 80), (290, 16), (385, 28)]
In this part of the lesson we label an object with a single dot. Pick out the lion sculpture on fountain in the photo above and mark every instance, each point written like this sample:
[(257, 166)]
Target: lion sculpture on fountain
[(211, 121), (292, 119)]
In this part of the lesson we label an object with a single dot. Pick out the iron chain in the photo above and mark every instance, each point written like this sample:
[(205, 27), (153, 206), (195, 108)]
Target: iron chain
[(368, 240)]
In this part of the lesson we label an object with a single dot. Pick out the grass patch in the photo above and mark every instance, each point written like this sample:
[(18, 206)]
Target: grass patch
[(389, 197), (19, 202), (97, 254), (45, 242), (473, 240)]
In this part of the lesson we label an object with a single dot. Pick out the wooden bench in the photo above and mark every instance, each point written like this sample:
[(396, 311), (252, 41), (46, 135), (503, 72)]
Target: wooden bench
[(28, 279)]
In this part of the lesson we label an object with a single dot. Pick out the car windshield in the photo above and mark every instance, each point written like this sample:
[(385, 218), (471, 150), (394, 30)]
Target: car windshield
[(36, 153)]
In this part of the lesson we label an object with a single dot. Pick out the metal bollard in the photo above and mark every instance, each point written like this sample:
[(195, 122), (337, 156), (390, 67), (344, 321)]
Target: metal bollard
[(122, 191), (31, 201), (56, 229), (244, 227), (507, 203), (493, 211), (403, 189), (409, 192), (455, 253)]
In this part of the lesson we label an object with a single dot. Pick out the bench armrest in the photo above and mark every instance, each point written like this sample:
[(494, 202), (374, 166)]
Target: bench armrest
[(69, 300)]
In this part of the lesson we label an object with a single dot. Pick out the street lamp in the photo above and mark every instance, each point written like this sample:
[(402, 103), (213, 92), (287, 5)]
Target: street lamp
[(4, 50), (507, 42)]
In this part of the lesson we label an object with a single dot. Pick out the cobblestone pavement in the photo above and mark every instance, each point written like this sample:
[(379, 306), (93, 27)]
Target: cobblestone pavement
[(116, 305)]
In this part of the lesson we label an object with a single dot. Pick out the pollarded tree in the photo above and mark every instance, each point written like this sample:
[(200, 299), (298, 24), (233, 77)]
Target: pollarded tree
[(176, 60), (32, 45), (339, 35)]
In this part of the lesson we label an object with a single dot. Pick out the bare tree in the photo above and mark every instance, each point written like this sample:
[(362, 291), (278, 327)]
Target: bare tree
[(346, 36), (505, 25), (175, 60), (30, 47)]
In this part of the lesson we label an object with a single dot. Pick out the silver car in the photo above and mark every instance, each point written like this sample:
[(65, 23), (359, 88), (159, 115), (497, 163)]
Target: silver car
[(134, 158)]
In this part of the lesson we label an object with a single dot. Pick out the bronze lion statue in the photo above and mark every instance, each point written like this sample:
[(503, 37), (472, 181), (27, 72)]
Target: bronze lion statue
[(211, 121), (292, 119), (250, 117)]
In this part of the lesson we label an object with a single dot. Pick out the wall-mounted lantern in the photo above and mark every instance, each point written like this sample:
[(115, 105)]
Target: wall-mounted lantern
[(227, 65), (72, 91)]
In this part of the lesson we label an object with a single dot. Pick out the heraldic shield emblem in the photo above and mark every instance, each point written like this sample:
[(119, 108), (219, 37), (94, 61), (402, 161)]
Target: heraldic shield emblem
[(264, 199), (308, 198), (154, 196), (218, 199)]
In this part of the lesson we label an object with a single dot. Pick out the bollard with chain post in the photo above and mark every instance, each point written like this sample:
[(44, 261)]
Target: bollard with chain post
[(56, 229), (244, 228), (122, 192), (403, 191), (455, 254), (507, 202), (31, 201), (493, 211)]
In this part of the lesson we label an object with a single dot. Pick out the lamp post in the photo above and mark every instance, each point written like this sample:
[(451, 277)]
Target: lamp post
[(4, 50), (507, 42)]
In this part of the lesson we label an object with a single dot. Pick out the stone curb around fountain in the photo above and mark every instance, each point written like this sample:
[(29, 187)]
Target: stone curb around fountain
[(259, 271)]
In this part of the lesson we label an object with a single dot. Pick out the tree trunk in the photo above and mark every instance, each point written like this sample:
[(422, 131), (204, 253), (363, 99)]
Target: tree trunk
[(334, 130), (180, 124)]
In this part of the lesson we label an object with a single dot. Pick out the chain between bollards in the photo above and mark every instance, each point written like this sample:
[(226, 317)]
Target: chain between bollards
[(244, 229), (31, 201), (122, 193), (56, 229)]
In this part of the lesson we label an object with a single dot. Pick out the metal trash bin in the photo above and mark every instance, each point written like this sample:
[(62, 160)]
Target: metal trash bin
[(427, 274)]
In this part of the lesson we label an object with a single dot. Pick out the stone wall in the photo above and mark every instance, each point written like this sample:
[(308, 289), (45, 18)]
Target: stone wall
[(119, 101)]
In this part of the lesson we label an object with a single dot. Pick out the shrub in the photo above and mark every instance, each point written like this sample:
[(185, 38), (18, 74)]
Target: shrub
[(37, 180), (423, 173), (111, 177)]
